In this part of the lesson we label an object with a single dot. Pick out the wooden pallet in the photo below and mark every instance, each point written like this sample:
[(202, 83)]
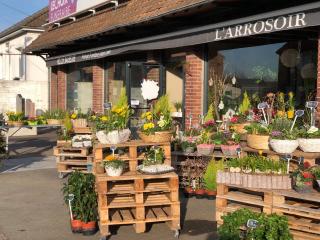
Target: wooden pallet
[(138, 199), (302, 210), (132, 156), (67, 164), (71, 152), (82, 130)]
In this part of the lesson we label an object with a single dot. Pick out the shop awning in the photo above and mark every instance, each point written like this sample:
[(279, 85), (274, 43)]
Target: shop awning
[(293, 18)]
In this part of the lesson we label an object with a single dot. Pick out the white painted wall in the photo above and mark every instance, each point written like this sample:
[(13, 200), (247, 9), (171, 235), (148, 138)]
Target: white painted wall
[(31, 70)]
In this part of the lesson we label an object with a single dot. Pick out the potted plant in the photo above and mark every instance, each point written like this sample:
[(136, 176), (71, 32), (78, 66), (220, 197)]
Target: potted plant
[(210, 177), (112, 128), (238, 123), (200, 190), (114, 167), (231, 144), (54, 117), (154, 156), (65, 133), (316, 173), (204, 144), (178, 112), (258, 136), (283, 140), (291, 105), (15, 119), (303, 180), (309, 140), (157, 125), (32, 121), (188, 146), (79, 120)]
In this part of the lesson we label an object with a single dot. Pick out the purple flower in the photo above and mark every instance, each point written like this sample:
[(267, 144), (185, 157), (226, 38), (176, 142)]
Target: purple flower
[(276, 134)]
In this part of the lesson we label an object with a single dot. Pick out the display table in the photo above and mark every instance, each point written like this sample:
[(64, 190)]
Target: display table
[(302, 210), (135, 198)]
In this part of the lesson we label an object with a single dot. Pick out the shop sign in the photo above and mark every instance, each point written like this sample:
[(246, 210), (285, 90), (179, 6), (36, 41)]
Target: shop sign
[(59, 9), (263, 26)]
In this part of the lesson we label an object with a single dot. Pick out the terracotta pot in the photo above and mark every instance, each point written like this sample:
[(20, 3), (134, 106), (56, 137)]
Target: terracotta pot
[(200, 193), (211, 194), (89, 228), (76, 226)]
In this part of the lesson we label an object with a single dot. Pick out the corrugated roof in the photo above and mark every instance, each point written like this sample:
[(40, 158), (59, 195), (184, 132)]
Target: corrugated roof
[(135, 11)]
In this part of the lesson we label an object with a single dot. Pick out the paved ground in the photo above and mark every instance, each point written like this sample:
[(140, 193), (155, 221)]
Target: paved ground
[(31, 206)]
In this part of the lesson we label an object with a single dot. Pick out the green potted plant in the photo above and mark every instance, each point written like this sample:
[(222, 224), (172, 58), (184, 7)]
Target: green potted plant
[(231, 144), (112, 128), (188, 146), (283, 140), (157, 125), (54, 117), (210, 177), (15, 119), (309, 140), (114, 167), (178, 112), (258, 136), (205, 145)]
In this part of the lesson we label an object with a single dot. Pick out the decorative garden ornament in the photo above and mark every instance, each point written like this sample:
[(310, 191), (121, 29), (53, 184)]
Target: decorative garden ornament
[(211, 82), (298, 113), (312, 105), (221, 105), (234, 80), (262, 106), (149, 89)]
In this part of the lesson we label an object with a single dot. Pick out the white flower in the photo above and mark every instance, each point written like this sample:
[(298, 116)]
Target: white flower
[(313, 129), (149, 89), (221, 105)]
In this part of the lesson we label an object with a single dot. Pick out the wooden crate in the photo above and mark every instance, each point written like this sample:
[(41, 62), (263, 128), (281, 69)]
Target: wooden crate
[(71, 152), (138, 199), (67, 164)]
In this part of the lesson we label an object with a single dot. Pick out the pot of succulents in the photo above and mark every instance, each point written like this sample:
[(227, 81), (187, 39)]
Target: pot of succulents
[(88, 205), (291, 105), (188, 146), (205, 145), (79, 120), (282, 140), (73, 188), (309, 140), (231, 144), (302, 180), (258, 136), (15, 119), (210, 178), (54, 117), (112, 128), (157, 126), (114, 167)]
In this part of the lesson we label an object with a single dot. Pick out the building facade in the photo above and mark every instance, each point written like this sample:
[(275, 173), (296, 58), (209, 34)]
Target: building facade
[(185, 46), (23, 76)]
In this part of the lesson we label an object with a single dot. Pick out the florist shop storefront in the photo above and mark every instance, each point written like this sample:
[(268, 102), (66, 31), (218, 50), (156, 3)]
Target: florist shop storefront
[(256, 50)]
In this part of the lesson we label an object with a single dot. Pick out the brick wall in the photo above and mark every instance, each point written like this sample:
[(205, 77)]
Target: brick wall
[(194, 85), (53, 89), (62, 87), (98, 87)]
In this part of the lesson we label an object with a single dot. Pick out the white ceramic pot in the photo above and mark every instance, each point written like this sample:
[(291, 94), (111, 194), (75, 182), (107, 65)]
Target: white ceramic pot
[(114, 137), (114, 172), (309, 145), (284, 146)]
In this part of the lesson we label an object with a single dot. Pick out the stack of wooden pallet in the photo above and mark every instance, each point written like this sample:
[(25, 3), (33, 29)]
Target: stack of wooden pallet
[(70, 159), (302, 210), (135, 198)]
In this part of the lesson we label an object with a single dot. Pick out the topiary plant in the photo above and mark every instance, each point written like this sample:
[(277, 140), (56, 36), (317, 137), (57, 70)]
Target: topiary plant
[(245, 105)]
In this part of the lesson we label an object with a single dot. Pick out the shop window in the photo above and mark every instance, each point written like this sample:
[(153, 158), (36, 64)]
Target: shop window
[(258, 70), (79, 87)]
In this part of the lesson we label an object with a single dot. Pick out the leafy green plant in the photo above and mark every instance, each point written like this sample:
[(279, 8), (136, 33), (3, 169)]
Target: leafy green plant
[(245, 105), (270, 227), (153, 156), (187, 144), (257, 129), (54, 114), (114, 163), (304, 133), (210, 176), (15, 116), (178, 106), (280, 129), (316, 172)]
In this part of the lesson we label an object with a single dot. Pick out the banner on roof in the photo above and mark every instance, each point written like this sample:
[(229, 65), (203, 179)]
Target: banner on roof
[(60, 9)]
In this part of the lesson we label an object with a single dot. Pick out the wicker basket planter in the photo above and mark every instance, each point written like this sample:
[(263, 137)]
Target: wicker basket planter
[(205, 149), (157, 137), (230, 150), (310, 144), (114, 137), (79, 123), (249, 180), (54, 121), (15, 123), (284, 146), (259, 142)]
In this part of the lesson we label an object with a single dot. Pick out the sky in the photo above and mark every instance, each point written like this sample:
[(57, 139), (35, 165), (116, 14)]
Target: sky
[(12, 11)]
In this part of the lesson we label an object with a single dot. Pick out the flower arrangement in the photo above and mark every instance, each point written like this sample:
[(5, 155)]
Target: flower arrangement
[(280, 104), (15, 116), (230, 143), (188, 145)]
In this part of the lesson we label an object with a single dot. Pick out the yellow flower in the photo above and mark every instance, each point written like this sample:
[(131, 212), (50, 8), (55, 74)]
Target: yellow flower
[(109, 158), (74, 116), (104, 118), (149, 117)]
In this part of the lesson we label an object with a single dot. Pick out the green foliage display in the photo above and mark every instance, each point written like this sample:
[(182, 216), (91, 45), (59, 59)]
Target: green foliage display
[(210, 176), (15, 116), (84, 205), (280, 129), (257, 129), (54, 114), (245, 105), (178, 106), (270, 227), (115, 163)]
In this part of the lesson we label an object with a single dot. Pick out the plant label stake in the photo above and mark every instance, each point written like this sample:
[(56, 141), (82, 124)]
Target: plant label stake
[(190, 120), (301, 161), (70, 199), (252, 224), (113, 148), (298, 113), (239, 152), (288, 158), (312, 105), (201, 119), (262, 106)]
